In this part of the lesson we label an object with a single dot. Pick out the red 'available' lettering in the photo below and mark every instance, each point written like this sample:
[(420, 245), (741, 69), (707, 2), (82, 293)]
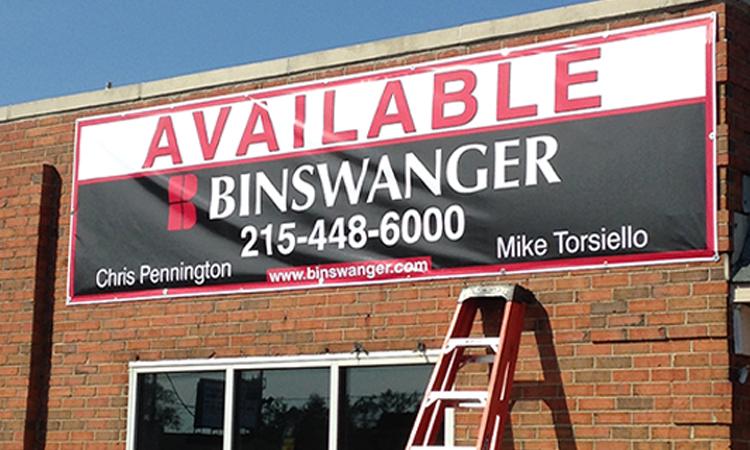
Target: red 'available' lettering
[(299, 121), (163, 128), (463, 95), (329, 135), (208, 147), (453, 91), (267, 135), (504, 110), (393, 91), (564, 79)]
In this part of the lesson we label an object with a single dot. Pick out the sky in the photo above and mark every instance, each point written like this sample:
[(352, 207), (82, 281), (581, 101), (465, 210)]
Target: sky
[(52, 48)]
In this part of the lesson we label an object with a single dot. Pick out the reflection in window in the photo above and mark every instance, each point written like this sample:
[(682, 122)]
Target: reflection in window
[(379, 405), (180, 411), (281, 409)]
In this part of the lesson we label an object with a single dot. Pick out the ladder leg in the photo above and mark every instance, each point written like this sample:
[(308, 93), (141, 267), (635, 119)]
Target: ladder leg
[(501, 378), (461, 327), (443, 378)]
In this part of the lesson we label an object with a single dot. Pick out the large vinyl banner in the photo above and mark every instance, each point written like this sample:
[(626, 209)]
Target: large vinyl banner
[(592, 151)]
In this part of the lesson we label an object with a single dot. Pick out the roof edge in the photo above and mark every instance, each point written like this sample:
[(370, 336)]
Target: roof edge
[(463, 34)]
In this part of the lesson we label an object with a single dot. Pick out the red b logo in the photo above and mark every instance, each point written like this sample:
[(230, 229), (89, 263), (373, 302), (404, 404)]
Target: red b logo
[(182, 215)]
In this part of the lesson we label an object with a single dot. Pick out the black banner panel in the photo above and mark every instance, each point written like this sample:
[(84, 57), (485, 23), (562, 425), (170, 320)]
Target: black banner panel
[(390, 178)]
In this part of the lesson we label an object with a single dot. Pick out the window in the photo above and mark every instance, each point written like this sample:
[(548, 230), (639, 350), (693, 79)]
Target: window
[(281, 408), (379, 404), (180, 410), (316, 402)]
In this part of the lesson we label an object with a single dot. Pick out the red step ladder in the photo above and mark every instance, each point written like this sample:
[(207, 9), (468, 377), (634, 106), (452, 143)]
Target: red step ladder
[(502, 308)]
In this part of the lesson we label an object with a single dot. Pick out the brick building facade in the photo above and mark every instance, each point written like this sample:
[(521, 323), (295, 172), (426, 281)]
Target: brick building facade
[(619, 358)]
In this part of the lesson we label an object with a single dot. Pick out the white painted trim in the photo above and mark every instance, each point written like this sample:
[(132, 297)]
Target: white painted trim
[(228, 408), (333, 407), (740, 294), (130, 427), (265, 362)]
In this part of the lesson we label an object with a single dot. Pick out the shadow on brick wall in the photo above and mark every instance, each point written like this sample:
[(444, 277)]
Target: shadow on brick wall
[(551, 390), (740, 433), (35, 431)]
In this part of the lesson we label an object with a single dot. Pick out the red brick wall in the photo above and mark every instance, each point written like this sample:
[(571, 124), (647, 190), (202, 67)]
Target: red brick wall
[(29, 201), (622, 358)]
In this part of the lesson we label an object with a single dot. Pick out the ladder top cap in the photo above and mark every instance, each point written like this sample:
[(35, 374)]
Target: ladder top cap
[(509, 292)]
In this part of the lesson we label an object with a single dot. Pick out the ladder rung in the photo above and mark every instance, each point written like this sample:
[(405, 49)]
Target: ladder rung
[(439, 447), (490, 342), (466, 399), (479, 359)]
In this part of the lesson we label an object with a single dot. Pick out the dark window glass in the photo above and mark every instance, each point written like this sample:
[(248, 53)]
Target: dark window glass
[(281, 409), (379, 405), (180, 411)]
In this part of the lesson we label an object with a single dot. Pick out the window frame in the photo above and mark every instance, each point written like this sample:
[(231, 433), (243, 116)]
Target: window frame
[(332, 361)]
